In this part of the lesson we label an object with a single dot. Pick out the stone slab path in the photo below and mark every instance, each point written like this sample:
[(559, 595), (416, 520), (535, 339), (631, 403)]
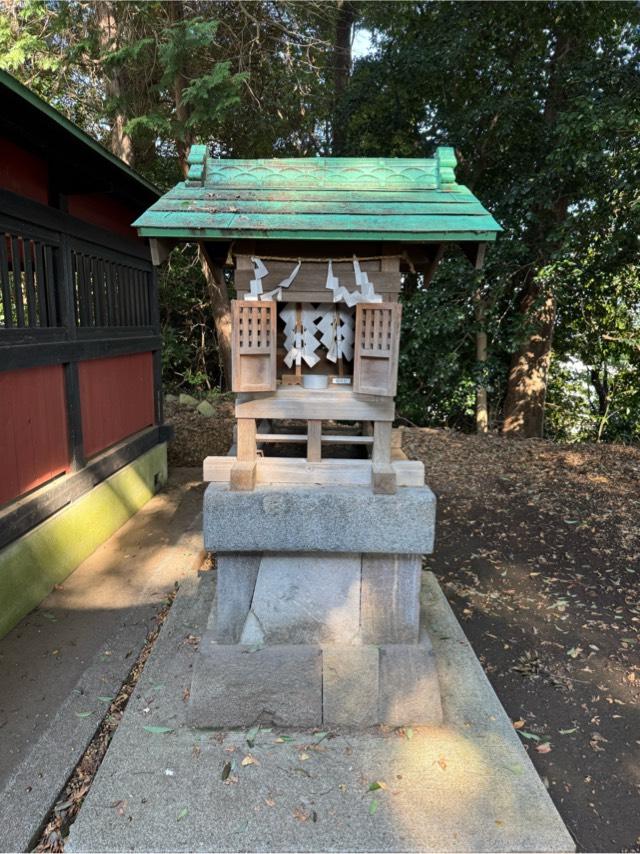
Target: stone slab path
[(79, 645), (165, 787)]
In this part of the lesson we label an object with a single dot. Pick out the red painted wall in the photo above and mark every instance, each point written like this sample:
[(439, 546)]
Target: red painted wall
[(28, 175), (103, 211), (23, 173), (116, 399), (33, 429)]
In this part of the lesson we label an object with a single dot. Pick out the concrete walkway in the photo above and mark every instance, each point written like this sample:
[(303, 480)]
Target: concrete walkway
[(64, 662), (464, 786)]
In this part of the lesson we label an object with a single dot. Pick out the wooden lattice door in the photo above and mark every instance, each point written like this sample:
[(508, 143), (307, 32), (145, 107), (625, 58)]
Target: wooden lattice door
[(253, 346), (377, 339)]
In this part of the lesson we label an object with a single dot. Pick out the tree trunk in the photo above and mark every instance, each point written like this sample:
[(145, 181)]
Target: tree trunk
[(184, 138), (482, 406), (213, 273), (527, 383), (121, 144), (601, 387), (342, 71), (221, 310)]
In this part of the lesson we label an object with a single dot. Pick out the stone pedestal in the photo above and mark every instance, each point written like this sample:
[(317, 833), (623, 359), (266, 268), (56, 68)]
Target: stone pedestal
[(317, 614)]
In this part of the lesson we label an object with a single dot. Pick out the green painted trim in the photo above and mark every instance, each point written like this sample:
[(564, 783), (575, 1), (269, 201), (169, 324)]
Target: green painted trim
[(51, 113), (226, 234), (30, 566)]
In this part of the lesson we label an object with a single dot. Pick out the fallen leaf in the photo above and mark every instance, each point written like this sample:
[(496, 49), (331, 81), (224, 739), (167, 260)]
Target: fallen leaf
[(252, 734), (120, 807), (543, 748), (249, 760), (442, 762), (519, 724), (83, 714), (373, 807), (378, 784), (300, 814), (158, 730), (184, 812), (303, 757), (226, 770), (530, 735), (595, 741)]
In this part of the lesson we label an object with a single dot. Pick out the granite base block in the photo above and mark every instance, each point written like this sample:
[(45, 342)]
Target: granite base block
[(319, 519), (390, 598), (409, 687), (350, 686), (236, 576), (305, 599), (237, 685), (307, 685)]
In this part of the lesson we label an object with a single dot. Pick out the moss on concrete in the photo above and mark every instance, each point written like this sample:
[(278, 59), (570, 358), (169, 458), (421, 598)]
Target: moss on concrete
[(30, 566)]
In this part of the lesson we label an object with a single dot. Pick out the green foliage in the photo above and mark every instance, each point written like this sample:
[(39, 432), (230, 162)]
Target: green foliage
[(189, 351), (540, 100)]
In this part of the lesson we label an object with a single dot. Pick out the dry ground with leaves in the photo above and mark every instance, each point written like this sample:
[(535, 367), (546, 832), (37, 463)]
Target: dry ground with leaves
[(197, 436), (538, 551)]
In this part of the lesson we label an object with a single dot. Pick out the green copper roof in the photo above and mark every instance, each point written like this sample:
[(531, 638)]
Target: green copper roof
[(320, 198)]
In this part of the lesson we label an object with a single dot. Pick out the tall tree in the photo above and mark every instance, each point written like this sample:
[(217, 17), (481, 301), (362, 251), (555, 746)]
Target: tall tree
[(345, 19), (533, 95), (246, 77)]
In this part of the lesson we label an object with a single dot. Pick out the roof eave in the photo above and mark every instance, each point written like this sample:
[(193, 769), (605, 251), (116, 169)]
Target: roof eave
[(52, 114), (253, 234)]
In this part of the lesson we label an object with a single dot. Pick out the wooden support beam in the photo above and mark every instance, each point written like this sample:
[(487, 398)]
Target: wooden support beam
[(384, 480), (383, 475), (246, 441), (475, 253), (331, 472), (381, 454), (160, 250), (242, 477), (314, 439), (302, 438), (396, 445), (299, 403)]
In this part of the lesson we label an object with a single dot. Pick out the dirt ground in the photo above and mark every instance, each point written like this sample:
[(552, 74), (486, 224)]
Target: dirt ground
[(538, 551), (198, 436)]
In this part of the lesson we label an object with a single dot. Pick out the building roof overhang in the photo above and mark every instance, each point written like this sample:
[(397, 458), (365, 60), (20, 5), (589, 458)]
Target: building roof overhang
[(81, 164)]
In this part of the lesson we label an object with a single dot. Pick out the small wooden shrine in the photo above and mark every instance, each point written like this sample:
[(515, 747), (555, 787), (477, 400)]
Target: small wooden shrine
[(318, 558), (319, 247)]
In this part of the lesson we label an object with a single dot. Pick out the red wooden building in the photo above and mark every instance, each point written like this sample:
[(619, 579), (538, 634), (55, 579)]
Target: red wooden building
[(80, 393)]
